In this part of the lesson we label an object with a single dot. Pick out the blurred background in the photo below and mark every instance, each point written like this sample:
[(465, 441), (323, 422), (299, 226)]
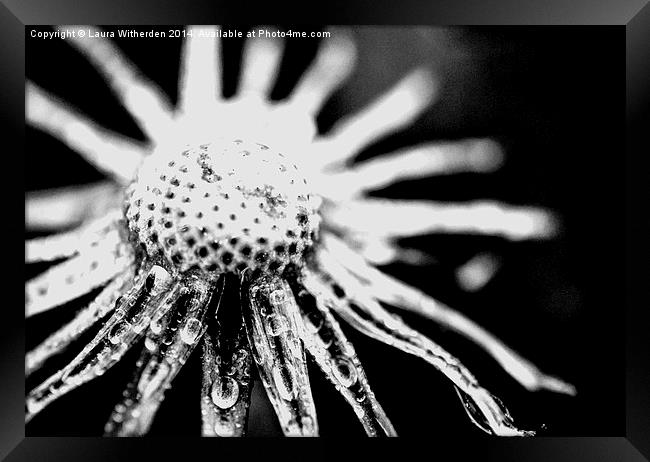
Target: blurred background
[(552, 96)]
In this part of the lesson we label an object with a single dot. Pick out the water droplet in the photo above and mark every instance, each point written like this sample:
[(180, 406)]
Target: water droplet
[(156, 326), (118, 332), (473, 411), (326, 337), (130, 427), (265, 309), (276, 324), (150, 344), (295, 345), (504, 424), (223, 428), (285, 383), (225, 391), (347, 349), (150, 383), (191, 330), (141, 324), (261, 354), (344, 371), (308, 425), (231, 369), (313, 321), (74, 380), (277, 297), (33, 406)]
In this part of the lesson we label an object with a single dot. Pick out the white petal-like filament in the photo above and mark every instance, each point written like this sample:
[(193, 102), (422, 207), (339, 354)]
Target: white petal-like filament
[(69, 243), (103, 304), (273, 326), (200, 75), (109, 345), (78, 275), (261, 60), (336, 357), (226, 385), (396, 293), (392, 111), (331, 67), (60, 208), (480, 155), (354, 304), (379, 250), (141, 97), (110, 153), (180, 331), (405, 218)]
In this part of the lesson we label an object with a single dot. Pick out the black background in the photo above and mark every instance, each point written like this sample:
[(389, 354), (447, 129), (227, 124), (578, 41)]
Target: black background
[(554, 97)]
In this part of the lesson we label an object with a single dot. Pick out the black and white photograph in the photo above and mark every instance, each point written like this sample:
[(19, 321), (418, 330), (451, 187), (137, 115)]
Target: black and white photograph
[(339, 231), (235, 208)]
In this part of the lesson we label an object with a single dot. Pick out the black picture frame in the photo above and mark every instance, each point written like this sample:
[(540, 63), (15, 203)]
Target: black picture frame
[(633, 15)]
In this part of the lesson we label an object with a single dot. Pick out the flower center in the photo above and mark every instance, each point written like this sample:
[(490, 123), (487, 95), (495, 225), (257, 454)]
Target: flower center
[(222, 206)]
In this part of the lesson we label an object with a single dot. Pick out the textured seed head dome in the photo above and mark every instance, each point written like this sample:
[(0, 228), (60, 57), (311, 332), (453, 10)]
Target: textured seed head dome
[(222, 206)]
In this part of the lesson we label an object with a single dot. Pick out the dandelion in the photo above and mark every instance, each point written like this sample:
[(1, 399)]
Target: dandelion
[(243, 196)]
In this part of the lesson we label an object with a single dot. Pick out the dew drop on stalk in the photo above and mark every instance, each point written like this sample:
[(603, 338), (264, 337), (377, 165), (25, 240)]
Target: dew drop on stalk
[(190, 331), (307, 423), (284, 380), (155, 326), (277, 297), (223, 428), (313, 321), (141, 324), (276, 325), (150, 344), (118, 332), (225, 392), (151, 382), (345, 371)]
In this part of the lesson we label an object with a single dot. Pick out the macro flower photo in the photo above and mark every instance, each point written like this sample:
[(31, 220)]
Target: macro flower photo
[(269, 231)]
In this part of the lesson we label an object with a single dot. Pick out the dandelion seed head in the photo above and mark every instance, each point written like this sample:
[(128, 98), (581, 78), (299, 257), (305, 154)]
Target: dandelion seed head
[(229, 185), (222, 206)]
